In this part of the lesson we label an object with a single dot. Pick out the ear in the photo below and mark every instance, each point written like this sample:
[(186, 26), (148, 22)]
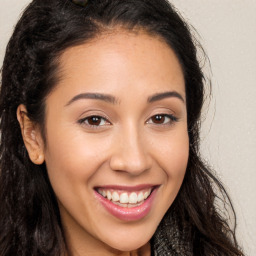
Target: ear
[(31, 135)]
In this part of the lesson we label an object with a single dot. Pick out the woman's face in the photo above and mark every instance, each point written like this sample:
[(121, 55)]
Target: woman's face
[(117, 141)]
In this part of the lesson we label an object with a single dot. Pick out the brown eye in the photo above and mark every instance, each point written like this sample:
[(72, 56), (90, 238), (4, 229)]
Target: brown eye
[(94, 121), (158, 119), (162, 119)]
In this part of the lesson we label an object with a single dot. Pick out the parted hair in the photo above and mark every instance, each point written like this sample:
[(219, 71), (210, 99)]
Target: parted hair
[(30, 223)]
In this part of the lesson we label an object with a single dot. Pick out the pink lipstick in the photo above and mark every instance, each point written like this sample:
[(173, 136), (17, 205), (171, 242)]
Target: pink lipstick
[(127, 203)]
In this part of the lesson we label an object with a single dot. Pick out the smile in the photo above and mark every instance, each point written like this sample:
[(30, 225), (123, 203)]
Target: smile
[(127, 204), (125, 199)]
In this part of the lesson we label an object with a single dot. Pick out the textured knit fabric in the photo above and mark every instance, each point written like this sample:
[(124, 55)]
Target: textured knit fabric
[(168, 240)]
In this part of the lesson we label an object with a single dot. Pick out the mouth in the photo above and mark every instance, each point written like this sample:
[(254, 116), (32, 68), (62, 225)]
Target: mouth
[(127, 203), (124, 198)]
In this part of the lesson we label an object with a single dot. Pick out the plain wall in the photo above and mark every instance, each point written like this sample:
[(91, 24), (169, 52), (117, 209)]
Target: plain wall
[(228, 33)]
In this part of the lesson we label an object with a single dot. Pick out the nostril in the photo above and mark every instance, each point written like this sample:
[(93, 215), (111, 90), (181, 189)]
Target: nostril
[(134, 165)]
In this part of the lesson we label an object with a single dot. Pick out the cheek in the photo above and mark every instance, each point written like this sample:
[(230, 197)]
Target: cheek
[(73, 156), (72, 162), (173, 152), (172, 157)]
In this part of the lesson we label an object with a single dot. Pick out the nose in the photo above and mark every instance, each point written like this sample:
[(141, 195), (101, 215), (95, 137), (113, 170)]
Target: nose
[(131, 153)]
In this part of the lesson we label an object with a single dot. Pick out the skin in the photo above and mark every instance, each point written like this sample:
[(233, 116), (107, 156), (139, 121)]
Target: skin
[(129, 146)]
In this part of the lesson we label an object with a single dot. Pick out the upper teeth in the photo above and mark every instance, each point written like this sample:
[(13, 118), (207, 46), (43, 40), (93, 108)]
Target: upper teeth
[(125, 197)]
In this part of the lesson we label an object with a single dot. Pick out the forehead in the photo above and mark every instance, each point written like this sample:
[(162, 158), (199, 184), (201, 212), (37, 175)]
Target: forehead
[(122, 58)]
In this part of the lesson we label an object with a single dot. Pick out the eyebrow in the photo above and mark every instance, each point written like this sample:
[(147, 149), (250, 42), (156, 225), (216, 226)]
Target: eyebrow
[(93, 96), (111, 99), (164, 95)]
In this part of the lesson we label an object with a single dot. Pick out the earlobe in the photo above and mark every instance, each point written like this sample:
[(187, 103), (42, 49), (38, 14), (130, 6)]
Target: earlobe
[(31, 136)]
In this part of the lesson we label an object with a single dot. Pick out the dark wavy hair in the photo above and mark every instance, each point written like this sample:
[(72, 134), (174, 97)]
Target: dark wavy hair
[(196, 223)]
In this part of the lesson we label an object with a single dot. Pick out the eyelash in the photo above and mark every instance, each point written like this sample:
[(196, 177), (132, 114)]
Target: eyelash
[(171, 118), (96, 118), (99, 119)]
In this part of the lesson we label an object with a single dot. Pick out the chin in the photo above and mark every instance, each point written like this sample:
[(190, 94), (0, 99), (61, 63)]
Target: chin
[(128, 244)]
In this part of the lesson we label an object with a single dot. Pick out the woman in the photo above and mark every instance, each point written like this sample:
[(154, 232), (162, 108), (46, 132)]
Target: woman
[(100, 115)]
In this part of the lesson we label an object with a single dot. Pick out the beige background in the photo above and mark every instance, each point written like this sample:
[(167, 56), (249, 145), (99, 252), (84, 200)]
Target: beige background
[(228, 33)]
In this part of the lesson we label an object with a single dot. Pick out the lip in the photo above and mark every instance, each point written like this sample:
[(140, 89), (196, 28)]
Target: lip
[(124, 213)]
